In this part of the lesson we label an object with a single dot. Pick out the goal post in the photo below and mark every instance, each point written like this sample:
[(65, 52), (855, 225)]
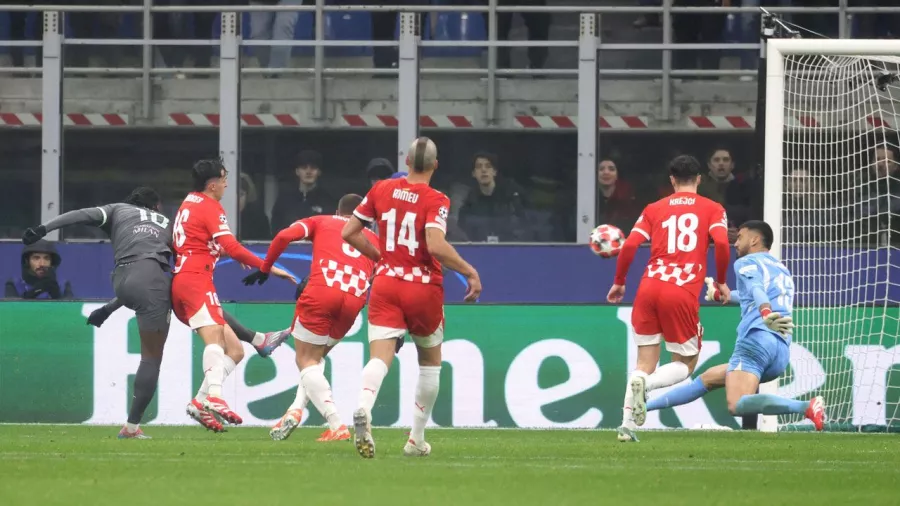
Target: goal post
[(832, 197)]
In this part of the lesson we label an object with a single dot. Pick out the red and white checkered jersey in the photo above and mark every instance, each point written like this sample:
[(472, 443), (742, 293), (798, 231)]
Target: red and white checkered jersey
[(334, 262), (403, 211), (199, 222), (678, 228)]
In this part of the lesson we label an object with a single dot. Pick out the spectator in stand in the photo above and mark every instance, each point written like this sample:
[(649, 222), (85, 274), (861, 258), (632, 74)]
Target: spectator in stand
[(269, 25), (306, 199), (721, 185), (616, 203), (254, 223), (715, 183), (493, 209), (38, 280), (185, 25), (879, 198), (698, 29), (95, 25), (803, 213), (379, 169), (538, 24), (384, 25)]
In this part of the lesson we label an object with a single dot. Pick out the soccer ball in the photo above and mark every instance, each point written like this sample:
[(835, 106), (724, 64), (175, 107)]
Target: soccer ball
[(606, 241)]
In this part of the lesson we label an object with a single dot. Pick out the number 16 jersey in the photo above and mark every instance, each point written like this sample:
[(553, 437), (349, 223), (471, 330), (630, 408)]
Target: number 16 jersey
[(402, 212), (678, 228)]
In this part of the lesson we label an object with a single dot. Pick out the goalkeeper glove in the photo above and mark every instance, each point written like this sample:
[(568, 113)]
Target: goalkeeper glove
[(784, 325)]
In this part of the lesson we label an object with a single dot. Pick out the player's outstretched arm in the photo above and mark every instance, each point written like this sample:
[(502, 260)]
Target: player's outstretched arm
[(237, 251), (295, 232), (353, 234), (719, 236), (88, 216), (623, 263), (446, 254)]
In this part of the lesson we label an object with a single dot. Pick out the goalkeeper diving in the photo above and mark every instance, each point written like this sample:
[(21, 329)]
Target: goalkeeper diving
[(765, 291)]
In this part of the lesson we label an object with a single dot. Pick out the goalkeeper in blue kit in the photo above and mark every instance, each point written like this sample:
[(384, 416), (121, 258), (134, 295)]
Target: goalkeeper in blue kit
[(765, 290)]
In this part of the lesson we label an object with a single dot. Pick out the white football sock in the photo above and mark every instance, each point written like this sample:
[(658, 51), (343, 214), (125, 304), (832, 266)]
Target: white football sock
[(372, 376), (319, 391), (203, 393), (628, 405), (131, 427), (214, 368), (229, 366), (667, 375), (258, 339), (426, 394), (301, 399)]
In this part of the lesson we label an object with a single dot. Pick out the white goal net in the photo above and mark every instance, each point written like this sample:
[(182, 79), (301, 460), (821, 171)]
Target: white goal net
[(840, 229)]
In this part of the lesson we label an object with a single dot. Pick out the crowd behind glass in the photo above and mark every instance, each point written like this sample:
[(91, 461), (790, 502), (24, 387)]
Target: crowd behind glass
[(505, 187)]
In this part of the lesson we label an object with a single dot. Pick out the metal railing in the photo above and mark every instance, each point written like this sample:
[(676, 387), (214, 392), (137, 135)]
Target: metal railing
[(491, 72), (409, 44)]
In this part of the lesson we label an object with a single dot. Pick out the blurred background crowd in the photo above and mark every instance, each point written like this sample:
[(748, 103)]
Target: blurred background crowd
[(505, 186)]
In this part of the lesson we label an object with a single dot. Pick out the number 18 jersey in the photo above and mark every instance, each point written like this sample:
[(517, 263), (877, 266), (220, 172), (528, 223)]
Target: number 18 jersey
[(678, 228), (403, 211)]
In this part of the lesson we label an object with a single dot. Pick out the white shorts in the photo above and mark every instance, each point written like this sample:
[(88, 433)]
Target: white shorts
[(301, 334), (377, 333), (688, 348)]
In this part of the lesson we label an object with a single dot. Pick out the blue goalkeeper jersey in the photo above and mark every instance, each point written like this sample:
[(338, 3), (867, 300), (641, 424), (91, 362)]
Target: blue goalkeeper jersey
[(761, 278)]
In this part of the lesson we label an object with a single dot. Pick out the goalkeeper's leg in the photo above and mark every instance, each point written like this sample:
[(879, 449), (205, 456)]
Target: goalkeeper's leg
[(761, 356), (712, 379)]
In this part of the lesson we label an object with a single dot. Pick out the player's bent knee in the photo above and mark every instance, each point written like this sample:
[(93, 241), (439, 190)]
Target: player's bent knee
[(379, 333), (383, 350), (211, 334), (308, 354), (430, 340), (689, 360), (235, 351), (688, 350), (714, 377), (203, 318), (153, 342)]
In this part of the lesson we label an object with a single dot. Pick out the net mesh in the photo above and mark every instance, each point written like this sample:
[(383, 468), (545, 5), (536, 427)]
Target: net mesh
[(840, 222)]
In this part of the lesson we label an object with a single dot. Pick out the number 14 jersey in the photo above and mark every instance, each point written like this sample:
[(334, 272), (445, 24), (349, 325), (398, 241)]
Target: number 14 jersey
[(678, 228), (402, 212)]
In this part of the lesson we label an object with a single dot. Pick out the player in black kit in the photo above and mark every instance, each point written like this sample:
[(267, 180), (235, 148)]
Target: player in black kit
[(142, 243)]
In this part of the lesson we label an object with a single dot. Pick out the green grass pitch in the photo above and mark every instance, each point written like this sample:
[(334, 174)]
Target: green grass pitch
[(77, 465)]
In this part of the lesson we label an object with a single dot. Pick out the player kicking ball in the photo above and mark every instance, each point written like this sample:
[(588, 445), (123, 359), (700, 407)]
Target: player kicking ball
[(407, 290), (667, 303), (199, 234), (765, 290), (141, 242), (263, 342), (336, 293)]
